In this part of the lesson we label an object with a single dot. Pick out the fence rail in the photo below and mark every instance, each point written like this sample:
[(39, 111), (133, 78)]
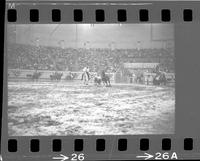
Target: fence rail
[(22, 74)]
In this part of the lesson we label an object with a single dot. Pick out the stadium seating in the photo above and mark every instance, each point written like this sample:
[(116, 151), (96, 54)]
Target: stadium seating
[(22, 56)]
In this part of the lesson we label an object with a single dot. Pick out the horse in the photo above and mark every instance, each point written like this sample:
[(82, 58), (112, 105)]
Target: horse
[(70, 76), (105, 79), (34, 76), (139, 78), (160, 79), (97, 80), (16, 73), (56, 76)]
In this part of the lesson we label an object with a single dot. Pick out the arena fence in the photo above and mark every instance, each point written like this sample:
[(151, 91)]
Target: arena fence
[(22, 73), (114, 77)]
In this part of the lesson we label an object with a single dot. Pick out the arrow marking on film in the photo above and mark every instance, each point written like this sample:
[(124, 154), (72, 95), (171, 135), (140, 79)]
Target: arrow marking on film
[(146, 156), (62, 157)]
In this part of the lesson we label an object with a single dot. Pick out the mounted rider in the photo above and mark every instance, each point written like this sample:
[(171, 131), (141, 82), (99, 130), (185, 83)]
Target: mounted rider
[(160, 77), (105, 78), (86, 71)]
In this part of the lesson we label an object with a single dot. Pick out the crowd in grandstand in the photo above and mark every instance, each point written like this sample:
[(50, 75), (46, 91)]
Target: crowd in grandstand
[(54, 58)]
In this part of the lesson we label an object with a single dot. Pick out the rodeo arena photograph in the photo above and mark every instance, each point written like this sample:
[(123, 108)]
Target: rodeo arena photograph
[(90, 79)]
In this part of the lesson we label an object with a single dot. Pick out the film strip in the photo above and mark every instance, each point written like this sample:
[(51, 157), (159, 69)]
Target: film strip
[(135, 12), (101, 80)]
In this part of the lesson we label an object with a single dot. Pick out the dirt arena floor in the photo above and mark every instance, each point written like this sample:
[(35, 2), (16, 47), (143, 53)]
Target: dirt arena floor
[(63, 108)]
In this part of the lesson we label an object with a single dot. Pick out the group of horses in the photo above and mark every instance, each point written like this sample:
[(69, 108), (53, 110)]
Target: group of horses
[(86, 77), (34, 76), (56, 76), (104, 79), (160, 79)]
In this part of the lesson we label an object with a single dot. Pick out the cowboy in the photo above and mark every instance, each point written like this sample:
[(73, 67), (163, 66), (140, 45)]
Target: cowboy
[(87, 72), (84, 70)]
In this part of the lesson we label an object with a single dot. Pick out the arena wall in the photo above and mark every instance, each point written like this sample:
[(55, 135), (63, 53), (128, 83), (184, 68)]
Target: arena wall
[(117, 77), (22, 73)]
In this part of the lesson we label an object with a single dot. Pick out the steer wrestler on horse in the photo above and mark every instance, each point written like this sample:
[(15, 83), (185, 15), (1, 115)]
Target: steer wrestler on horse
[(160, 78), (105, 79), (102, 78)]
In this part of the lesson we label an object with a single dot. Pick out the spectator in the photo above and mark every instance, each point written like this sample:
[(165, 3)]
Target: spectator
[(54, 58)]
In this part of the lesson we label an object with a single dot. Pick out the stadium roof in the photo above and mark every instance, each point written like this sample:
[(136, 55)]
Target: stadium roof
[(94, 35)]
